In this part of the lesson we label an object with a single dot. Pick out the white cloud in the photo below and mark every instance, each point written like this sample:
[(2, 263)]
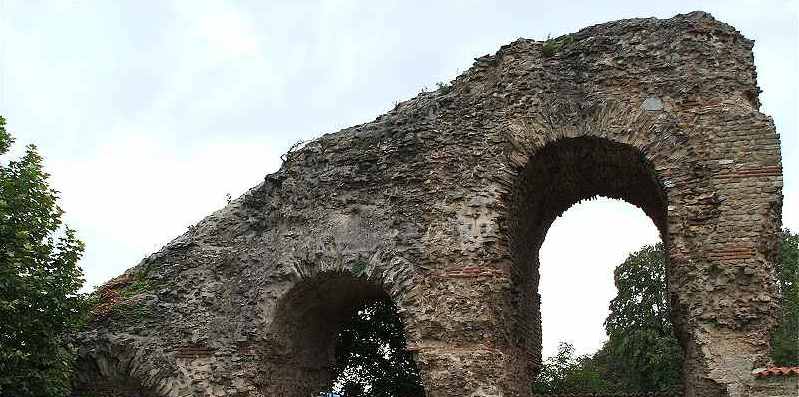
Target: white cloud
[(136, 192), (148, 113), (227, 31)]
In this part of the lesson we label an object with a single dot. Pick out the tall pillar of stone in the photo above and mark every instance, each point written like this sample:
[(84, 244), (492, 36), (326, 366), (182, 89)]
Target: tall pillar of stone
[(458, 345), (724, 220)]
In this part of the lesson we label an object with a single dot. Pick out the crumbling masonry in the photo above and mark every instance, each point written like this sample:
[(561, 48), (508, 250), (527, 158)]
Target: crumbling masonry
[(442, 204)]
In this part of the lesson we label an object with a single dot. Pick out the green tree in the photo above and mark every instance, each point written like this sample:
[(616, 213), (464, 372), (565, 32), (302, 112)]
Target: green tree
[(371, 359), (642, 351), (785, 339), (566, 373), (39, 280)]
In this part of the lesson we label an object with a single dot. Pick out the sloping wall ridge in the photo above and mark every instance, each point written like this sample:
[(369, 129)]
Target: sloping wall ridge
[(441, 204)]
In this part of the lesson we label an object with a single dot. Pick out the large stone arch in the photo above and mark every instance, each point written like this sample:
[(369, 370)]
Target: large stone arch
[(557, 176), (437, 201), (629, 151)]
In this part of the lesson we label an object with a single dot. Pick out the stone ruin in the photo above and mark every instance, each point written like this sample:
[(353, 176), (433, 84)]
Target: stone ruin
[(442, 204)]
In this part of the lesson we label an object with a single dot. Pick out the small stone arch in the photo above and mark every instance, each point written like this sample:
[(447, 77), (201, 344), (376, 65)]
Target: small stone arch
[(112, 368), (300, 350)]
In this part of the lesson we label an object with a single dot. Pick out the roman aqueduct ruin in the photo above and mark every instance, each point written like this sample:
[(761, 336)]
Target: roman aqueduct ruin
[(442, 203)]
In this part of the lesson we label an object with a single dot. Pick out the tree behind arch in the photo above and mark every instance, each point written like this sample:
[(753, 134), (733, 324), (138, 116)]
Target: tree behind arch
[(642, 353), (371, 359), (785, 339)]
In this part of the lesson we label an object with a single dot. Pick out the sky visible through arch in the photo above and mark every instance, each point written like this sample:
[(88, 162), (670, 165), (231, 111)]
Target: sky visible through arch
[(150, 112), (576, 264)]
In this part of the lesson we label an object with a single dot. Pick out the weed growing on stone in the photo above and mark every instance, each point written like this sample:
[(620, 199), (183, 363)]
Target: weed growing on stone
[(138, 285), (552, 46)]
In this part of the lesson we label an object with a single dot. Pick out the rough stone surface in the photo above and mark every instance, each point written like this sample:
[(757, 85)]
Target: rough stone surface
[(442, 204), (776, 386)]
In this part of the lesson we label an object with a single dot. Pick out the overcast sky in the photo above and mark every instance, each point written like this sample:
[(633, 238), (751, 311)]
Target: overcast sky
[(149, 112)]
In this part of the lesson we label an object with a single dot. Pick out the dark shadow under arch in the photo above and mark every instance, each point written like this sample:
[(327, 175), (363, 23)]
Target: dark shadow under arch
[(108, 374)]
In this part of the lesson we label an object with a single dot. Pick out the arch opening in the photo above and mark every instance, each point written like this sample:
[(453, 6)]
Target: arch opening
[(311, 327), (556, 177), (109, 374), (577, 262)]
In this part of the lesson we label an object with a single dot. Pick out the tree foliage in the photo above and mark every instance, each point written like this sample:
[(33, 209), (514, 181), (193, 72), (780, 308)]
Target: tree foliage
[(39, 280), (371, 359), (642, 354), (785, 339), (642, 351), (567, 373)]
